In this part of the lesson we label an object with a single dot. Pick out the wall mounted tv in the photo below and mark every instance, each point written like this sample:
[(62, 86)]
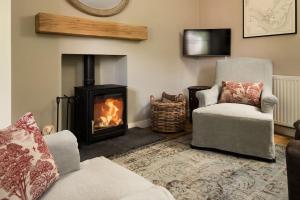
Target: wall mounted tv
[(206, 42)]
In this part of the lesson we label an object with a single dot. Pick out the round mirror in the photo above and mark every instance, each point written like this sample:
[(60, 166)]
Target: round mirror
[(101, 4), (100, 7)]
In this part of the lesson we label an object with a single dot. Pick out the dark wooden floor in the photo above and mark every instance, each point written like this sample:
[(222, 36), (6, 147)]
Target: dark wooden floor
[(282, 139)]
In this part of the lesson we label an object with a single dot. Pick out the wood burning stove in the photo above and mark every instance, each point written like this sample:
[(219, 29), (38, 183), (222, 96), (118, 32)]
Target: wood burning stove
[(101, 110)]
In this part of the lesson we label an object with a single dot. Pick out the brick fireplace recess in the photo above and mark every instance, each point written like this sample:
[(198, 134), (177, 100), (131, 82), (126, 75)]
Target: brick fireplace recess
[(101, 110)]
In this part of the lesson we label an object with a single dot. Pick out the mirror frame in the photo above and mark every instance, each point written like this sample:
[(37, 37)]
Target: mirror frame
[(99, 12)]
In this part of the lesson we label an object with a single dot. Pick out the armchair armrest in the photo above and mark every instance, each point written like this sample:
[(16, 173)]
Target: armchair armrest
[(208, 97), (64, 148), (297, 127), (268, 101)]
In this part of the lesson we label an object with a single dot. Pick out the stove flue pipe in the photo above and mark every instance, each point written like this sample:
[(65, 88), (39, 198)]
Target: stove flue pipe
[(89, 70)]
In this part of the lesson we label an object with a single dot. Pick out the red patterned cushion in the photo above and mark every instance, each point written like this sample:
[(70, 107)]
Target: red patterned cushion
[(27, 168), (243, 93)]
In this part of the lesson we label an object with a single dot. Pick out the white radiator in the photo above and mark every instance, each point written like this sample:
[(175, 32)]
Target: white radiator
[(287, 90)]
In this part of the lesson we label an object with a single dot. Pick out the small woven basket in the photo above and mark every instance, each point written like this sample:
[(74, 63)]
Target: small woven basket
[(169, 116)]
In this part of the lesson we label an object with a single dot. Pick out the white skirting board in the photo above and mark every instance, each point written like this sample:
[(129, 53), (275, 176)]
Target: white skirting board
[(141, 124), (285, 130)]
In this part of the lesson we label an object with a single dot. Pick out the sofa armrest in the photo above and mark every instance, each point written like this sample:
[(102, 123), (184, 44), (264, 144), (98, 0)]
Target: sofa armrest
[(208, 97), (268, 101), (293, 166), (64, 148)]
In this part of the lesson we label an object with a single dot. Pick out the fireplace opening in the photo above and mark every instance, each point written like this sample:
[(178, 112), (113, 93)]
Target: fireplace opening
[(108, 112)]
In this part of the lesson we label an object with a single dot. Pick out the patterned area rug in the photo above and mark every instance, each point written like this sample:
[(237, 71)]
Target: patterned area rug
[(195, 174)]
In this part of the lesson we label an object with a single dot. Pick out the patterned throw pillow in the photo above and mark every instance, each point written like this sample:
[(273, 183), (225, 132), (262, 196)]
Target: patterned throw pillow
[(243, 93), (27, 168)]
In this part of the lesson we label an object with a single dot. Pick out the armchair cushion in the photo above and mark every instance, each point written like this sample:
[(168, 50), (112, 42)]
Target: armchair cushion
[(208, 97), (237, 111), (241, 92)]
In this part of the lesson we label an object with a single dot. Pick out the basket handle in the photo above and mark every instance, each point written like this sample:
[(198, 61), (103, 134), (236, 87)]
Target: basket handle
[(181, 97), (152, 98)]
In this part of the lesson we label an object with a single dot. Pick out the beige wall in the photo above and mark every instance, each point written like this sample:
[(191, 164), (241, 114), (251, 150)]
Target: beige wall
[(5, 63), (282, 50), (153, 66)]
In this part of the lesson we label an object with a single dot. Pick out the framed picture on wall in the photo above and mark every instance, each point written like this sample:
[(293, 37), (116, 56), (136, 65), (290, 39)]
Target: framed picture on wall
[(269, 17)]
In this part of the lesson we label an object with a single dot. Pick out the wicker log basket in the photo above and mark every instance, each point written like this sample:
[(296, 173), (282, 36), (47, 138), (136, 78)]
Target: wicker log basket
[(168, 114)]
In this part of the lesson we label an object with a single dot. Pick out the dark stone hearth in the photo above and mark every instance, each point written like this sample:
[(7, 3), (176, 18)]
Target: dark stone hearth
[(135, 137)]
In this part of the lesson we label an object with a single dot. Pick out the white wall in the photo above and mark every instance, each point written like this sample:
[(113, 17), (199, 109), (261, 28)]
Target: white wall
[(5, 63)]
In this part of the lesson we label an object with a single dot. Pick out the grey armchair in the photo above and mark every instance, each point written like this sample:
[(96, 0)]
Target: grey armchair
[(237, 128)]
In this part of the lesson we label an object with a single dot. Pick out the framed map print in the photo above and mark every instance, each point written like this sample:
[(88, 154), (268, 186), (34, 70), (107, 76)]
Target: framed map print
[(269, 17)]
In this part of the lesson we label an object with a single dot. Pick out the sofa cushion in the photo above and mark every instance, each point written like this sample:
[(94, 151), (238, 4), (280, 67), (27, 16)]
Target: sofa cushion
[(27, 168), (157, 192), (98, 179), (244, 93)]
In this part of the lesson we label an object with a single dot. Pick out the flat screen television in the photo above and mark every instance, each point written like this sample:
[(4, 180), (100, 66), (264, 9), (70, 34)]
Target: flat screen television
[(206, 42)]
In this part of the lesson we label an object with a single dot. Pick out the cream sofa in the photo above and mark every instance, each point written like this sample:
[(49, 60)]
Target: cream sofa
[(95, 179)]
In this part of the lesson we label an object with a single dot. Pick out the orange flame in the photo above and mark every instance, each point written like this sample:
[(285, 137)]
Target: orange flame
[(108, 112)]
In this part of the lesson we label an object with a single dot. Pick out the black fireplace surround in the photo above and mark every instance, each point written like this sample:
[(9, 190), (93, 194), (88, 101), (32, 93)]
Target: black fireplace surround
[(93, 101)]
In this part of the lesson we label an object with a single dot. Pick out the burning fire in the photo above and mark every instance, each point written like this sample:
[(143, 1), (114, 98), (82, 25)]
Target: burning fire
[(108, 112)]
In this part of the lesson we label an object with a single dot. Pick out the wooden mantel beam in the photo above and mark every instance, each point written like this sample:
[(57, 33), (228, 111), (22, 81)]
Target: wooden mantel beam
[(65, 25)]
